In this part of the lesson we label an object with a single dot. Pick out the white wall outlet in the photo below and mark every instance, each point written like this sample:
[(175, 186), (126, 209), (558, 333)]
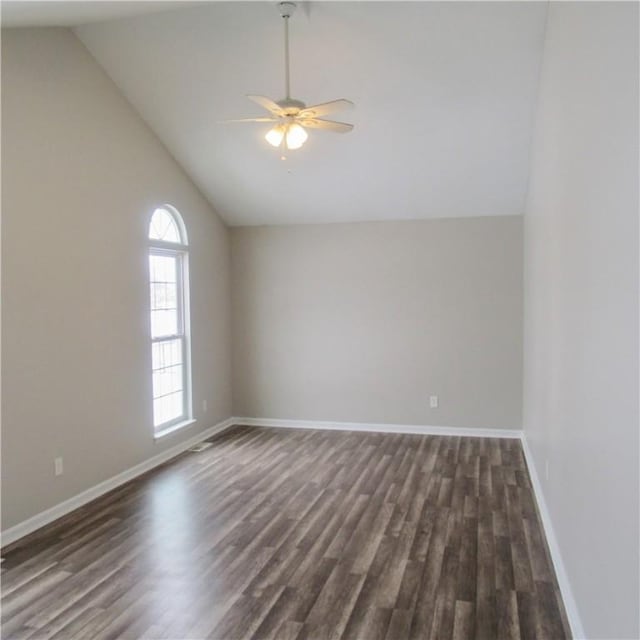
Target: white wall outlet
[(433, 402), (205, 406), (58, 466)]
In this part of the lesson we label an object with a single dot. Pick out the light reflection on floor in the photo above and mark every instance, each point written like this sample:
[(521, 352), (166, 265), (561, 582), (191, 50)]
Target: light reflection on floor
[(174, 575)]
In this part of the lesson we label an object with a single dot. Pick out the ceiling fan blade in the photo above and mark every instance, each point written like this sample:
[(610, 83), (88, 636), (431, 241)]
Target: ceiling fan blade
[(329, 125), (252, 120), (267, 103), (326, 108)]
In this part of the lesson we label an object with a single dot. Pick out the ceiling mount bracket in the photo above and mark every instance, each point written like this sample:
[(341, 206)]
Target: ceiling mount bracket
[(287, 9)]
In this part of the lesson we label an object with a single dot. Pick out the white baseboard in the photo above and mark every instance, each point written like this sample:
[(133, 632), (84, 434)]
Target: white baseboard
[(472, 432), (577, 630), (63, 508)]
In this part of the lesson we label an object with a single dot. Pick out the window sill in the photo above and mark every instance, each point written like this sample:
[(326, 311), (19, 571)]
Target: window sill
[(173, 427)]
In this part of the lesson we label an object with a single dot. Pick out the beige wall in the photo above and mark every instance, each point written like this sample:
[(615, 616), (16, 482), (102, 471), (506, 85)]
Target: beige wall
[(581, 306), (81, 174), (363, 322)]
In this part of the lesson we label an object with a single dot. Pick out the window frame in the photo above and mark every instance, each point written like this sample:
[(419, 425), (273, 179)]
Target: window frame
[(180, 252)]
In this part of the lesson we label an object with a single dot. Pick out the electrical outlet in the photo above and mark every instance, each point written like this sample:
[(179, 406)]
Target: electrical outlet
[(58, 466), (205, 406), (433, 402)]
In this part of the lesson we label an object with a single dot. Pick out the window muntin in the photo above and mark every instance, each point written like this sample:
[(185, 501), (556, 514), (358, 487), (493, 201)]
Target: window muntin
[(168, 288), (164, 227)]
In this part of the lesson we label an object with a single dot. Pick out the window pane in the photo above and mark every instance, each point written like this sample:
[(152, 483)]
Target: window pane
[(167, 408), (166, 353), (168, 387), (166, 381), (164, 227), (164, 323), (163, 296), (163, 268)]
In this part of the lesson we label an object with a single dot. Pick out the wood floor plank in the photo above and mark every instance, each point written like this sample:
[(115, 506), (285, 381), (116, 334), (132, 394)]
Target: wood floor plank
[(294, 534), (507, 615), (463, 621), (399, 624), (424, 608)]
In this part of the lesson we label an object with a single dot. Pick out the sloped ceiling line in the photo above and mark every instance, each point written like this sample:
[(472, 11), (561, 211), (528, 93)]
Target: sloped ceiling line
[(444, 93)]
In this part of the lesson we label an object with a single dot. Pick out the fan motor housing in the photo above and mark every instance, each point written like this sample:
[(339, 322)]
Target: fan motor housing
[(291, 106)]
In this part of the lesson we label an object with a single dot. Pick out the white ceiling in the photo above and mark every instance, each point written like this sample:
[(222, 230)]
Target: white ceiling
[(444, 93), (70, 13)]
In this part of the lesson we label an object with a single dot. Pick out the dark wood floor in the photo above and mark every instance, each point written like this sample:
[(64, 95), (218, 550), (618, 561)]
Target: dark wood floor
[(298, 534)]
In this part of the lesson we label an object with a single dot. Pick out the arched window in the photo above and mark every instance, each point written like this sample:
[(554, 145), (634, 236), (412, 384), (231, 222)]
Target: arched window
[(169, 288)]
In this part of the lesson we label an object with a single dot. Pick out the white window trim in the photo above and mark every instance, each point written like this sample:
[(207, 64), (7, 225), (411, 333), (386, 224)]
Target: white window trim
[(176, 427), (180, 250)]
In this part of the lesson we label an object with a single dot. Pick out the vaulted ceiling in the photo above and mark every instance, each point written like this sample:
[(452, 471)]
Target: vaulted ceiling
[(444, 92)]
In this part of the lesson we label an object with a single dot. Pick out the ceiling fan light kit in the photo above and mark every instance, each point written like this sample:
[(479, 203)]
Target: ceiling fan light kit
[(293, 136), (292, 117)]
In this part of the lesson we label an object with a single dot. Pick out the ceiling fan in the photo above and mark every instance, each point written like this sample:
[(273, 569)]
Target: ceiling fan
[(291, 116)]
